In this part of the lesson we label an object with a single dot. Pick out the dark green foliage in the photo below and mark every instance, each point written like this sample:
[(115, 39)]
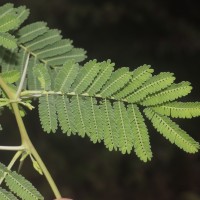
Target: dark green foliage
[(91, 100)]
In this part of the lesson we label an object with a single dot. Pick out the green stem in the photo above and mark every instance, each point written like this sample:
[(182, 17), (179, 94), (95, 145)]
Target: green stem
[(22, 77), (26, 142), (7, 89), (12, 148), (14, 159), (38, 93)]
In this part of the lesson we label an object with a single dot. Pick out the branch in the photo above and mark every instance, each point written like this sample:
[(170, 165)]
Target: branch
[(26, 142), (23, 77), (12, 148), (6, 89)]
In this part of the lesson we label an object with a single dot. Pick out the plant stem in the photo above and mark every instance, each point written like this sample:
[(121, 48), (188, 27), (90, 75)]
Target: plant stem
[(29, 146), (14, 159), (6, 89), (23, 77), (12, 148), (25, 140)]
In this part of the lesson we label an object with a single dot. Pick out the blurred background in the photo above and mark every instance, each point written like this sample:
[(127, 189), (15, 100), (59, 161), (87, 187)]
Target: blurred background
[(164, 34)]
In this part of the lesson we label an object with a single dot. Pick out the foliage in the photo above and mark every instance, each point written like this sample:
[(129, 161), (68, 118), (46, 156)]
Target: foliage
[(91, 99), (18, 186)]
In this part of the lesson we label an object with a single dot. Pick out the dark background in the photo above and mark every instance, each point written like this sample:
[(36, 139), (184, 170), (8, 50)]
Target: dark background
[(164, 34)]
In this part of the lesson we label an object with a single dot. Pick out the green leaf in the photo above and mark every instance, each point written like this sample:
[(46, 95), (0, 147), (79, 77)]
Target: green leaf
[(47, 113), (9, 60), (179, 109), (139, 76), (58, 48), (5, 195), (123, 127), (111, 134), (31, 31), (91, 99), (79, 114), (22, 13), (85, 76), (21, 187), (173, 92), (65, 115), (8, 41), (96, 132), (140, 133), (48, 38), (33, 82), (103, 76), (18, 185), (171, 131), (154, 84), (75, 54), (3, 170), (6, 9), (66, 76), (117, 80), (4, 102), (11, 76), (41, 72), (8, 22)]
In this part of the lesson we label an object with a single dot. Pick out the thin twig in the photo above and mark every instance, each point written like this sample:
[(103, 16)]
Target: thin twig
[(12, 148), (23, 77), (29, 146)]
